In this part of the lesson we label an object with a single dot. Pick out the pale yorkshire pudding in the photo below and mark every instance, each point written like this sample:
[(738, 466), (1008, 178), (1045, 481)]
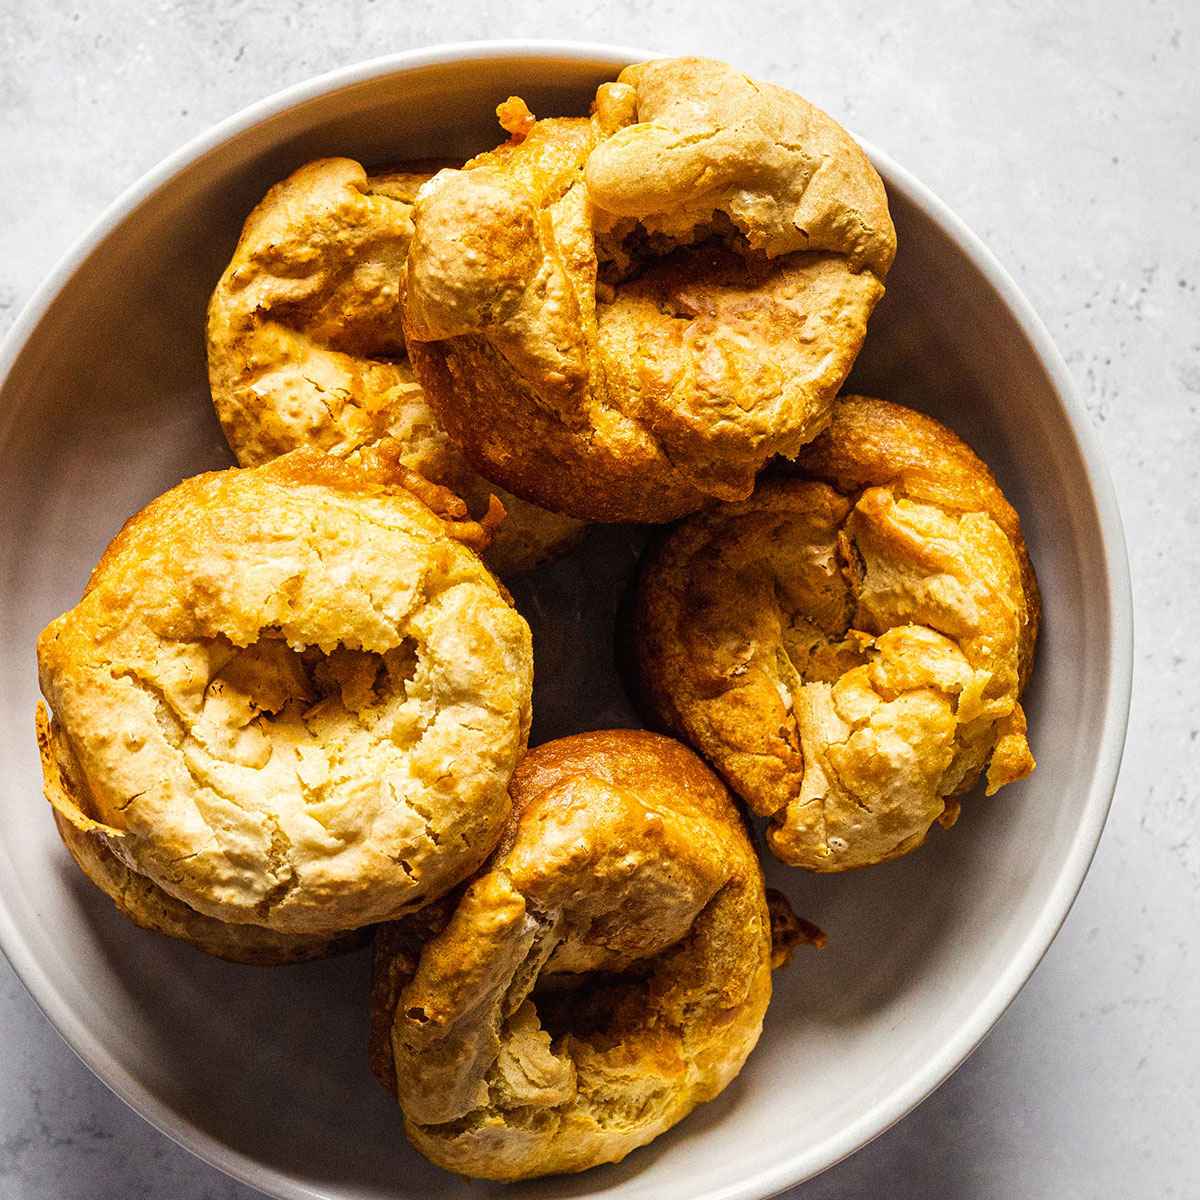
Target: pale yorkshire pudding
[(847, 647), (305, 346), (291, 698), (606, 973), (623, 316)]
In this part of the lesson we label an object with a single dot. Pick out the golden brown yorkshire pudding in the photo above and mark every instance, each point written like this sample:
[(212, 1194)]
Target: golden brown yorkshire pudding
[(305, 346), (605, 974), (848, 647), (624, 316), (289, 698)]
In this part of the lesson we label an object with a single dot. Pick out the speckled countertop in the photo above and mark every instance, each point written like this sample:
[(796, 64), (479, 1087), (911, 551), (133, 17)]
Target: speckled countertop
[(1068, 136)]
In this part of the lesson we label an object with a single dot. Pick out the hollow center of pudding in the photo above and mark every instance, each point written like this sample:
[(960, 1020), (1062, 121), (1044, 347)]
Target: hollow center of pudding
[(569, 1018), (629, 248), (323, 734), (594, 1004), (620, 885), (261, 690)]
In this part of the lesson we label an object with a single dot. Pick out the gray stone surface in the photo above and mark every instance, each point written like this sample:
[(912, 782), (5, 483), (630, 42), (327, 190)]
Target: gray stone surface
[(1068, 136)]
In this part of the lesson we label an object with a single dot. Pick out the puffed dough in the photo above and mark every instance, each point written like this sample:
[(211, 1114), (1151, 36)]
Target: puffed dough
[(305, 346), (289, 698), (606, 973), (626, 315), (141, 900), (848, 647)]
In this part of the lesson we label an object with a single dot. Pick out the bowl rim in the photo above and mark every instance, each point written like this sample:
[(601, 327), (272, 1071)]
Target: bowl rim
[(806, 1161)]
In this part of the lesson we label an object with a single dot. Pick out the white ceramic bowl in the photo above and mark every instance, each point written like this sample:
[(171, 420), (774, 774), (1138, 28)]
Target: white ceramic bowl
[(262, 1073)]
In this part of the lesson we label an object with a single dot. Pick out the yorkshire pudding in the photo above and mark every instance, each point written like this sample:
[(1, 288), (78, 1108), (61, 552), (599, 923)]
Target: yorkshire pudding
[(305, 346), (847, 647), (289, 698), (605, 974), (623, 316)]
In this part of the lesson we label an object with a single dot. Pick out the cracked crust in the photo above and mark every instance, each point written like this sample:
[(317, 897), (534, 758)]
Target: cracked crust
[(305, 346), (624, 316), (608, 972), (292, 698), (848, 647), (141, 900)]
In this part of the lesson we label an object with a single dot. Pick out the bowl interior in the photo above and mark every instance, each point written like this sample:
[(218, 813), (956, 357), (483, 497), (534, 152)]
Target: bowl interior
[(264, 1071)]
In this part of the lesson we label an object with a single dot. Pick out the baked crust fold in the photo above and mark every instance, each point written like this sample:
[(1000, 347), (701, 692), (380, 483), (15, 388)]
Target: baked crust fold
[(624, 316), (607, 972), (289, 698), (141, 900), (848, 646)]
